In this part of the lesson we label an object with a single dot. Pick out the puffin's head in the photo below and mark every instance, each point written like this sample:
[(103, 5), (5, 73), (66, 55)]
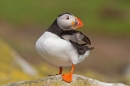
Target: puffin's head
[(67, 21)]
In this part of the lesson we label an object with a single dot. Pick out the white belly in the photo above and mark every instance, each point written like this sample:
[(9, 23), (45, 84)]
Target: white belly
[(57, 51)]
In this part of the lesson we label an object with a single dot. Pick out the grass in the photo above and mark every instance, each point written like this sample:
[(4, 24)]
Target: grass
[(107, 16)]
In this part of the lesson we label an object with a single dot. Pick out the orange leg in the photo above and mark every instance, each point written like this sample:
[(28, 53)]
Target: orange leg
[(60, 70), (68, 77)]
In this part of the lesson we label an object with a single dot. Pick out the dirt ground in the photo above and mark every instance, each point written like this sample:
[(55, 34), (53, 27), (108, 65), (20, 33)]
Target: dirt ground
[(110, 56)]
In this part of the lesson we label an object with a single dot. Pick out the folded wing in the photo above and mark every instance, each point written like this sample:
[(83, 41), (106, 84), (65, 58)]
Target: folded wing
[(78, 40)]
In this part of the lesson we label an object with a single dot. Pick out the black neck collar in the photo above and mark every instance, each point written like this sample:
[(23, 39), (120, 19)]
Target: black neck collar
[(54, 28)]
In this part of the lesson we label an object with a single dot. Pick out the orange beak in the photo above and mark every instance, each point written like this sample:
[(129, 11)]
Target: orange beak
[(77, 24), (80, 24)]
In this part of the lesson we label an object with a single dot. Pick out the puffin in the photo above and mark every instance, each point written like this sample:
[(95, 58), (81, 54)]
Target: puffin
[(62, 45)]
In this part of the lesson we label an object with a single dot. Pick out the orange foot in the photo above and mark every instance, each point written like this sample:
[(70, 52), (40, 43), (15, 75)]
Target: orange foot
[(67, 77)]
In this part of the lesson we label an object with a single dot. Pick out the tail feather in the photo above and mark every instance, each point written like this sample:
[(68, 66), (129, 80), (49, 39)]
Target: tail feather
[(81, 48)]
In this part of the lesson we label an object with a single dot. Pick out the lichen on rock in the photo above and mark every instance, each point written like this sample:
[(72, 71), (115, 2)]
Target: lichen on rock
[(56, 80)]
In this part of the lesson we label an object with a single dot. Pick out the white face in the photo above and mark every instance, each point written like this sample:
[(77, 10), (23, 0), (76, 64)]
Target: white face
[(67, 22)]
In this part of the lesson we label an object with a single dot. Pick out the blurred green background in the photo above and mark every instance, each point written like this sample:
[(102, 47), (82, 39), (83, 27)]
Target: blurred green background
[(106, 23)]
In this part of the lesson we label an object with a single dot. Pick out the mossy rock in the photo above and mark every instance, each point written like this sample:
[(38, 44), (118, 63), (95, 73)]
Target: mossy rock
[(56, 80), (10, 70)]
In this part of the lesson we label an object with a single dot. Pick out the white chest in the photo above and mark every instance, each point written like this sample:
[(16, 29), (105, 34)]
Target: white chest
[(61, 51)]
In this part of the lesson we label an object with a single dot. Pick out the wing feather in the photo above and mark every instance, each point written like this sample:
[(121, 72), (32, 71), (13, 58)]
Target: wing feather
[(76, 36), (78, 40)]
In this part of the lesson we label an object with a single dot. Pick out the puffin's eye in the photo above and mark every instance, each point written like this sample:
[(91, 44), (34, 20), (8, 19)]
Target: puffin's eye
[(67, 18)]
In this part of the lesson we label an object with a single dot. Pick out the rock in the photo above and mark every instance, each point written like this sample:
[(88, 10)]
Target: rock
[(56, 80), (126, 74)]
